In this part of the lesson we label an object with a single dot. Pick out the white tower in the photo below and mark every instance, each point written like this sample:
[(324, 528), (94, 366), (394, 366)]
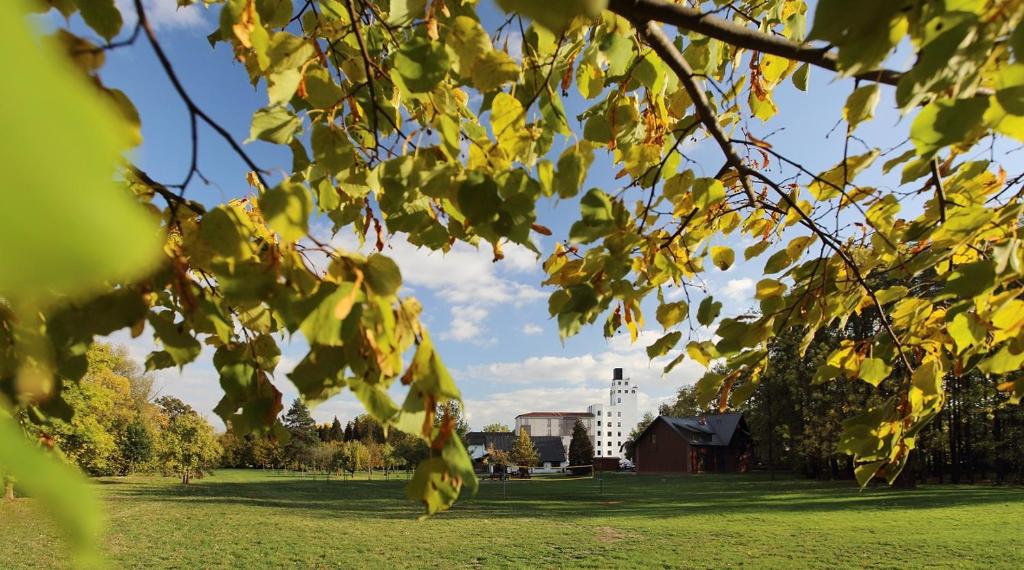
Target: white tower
[(614, 421)]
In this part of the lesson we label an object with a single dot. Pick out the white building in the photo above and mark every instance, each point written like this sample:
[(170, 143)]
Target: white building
[(614, 421)]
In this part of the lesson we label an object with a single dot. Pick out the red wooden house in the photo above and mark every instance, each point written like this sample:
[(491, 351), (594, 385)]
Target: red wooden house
[(713, 443)]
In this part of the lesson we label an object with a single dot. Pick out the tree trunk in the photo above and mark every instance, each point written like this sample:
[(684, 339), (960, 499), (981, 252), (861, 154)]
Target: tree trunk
[(8, 490)]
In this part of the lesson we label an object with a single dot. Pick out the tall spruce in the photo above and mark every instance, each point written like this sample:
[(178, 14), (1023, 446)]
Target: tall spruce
[(581, 448), (337, 432)]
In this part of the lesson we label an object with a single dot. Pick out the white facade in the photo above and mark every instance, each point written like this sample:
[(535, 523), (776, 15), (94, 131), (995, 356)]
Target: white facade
[(614, 421)]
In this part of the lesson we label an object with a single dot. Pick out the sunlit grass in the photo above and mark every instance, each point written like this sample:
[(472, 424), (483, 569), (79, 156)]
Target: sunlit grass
[(262, 519)]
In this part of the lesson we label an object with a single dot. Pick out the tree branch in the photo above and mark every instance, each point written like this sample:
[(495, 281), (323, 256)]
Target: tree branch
[(675, 60), (193, 109), (688, 18)]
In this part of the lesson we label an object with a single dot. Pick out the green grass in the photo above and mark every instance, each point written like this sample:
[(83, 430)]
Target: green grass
[(251, 519)]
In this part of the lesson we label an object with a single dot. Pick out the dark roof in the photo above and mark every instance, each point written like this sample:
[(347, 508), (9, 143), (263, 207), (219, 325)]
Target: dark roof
[(709, 429), (556, 415), (549, 447)]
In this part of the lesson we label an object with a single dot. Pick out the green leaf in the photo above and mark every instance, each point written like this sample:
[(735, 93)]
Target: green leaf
[(865, 471), (756, 249), (571, 170), (966, 331), (707, 192), (1009, 358), (860, 105), (403, 12), (383, 275), (288, 51), (663, 344), (281, 86), (596, 220), (324, 312), (286, 209), (874, 370), (722, 257), (478, 199), (274, 124), (1010, 90), (703, 352), (769, 288), (175, 338), (888, 295), (800, 77), (947, 122), (671, 314), (828, 184), (332, 150), (971, 279), (60, 200), (102, 16), (493, 69), (708, 311), (421, 64)]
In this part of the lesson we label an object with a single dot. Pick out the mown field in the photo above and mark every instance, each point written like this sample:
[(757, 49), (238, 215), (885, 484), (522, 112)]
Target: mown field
[(253, 519)]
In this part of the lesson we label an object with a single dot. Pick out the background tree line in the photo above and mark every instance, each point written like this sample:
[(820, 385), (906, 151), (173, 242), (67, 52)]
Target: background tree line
[(361, 445), (797, 417)]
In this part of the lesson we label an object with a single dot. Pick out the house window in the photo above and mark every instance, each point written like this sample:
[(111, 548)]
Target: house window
[(598, 423), (620, 424), (620, 434), (620, 401), (620, 414), (599, 452), (598, 432), (610, 414), (609, 444)]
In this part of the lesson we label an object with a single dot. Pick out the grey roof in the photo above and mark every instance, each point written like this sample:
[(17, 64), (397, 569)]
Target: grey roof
[(709, 429), (549, 447)]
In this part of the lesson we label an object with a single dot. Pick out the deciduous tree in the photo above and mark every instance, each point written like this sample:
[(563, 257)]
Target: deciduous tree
[(524, 454), (497, 427)]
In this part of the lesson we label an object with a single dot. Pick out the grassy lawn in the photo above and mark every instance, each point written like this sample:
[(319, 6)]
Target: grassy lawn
[(262, 520)]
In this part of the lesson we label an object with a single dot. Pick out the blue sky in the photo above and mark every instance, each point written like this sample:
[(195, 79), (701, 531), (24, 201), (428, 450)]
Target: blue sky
[(489, 320)]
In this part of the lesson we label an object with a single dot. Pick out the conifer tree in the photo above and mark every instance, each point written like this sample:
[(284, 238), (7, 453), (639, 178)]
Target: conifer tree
[(336, 433), (581, 449)]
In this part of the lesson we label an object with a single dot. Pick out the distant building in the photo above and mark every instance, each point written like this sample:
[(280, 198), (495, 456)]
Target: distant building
[(550, 451), (553, 424), (609, 425), (713, 443), (614, 421)]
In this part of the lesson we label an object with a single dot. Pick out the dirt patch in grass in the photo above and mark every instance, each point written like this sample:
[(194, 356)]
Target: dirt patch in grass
[(609, 534)]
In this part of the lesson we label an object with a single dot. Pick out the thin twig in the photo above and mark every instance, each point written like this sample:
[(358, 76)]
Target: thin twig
[(675, 60), (189, 103)]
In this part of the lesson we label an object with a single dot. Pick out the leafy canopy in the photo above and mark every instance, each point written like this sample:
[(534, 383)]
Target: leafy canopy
[(408, 116)]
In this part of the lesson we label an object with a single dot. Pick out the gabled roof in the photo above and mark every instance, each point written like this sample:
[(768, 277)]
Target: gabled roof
[(556, 415), (709, 429), (549, 447)]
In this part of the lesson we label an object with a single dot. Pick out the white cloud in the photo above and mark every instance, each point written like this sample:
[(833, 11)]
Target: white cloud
[(739, 289), (164, 14), (464, 275), (531, 329), (467, 325)]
